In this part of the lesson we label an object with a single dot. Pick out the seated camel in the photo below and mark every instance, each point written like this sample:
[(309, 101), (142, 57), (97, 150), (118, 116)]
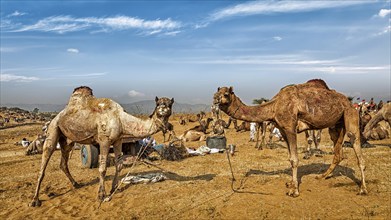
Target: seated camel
[(192, 135), (372, 127)]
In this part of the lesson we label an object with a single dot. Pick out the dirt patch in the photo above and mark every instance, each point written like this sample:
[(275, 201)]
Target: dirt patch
[(199, 187)]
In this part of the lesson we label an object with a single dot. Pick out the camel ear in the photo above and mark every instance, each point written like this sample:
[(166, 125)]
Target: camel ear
[(231, 89), (156, 99)]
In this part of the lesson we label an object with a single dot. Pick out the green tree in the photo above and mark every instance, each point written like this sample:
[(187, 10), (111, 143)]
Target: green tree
[(260, 101)]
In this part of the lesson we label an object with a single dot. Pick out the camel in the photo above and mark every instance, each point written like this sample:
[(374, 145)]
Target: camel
[(383, 114), (220, 125), (296, 108), (169, 128), (192, 135), (97, 121), (184, 119), (203, 126)]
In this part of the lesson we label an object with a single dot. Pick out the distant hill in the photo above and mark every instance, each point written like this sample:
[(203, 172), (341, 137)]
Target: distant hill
[(140, 107)]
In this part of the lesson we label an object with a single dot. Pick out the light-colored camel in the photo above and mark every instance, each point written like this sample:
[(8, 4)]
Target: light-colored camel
[(297, 108), (98, 121), (192, 135), (383, 114)]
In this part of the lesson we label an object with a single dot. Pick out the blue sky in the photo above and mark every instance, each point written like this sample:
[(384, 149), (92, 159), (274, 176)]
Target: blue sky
[(136, 50)]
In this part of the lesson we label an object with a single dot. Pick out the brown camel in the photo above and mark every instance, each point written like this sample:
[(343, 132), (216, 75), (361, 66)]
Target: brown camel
[(184, 119), (169, 128), (301, 107), (383, 114), (97, 121), (203, 126)]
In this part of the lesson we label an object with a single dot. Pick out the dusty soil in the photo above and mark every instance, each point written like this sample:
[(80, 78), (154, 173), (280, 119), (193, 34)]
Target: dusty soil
[(199, 187)]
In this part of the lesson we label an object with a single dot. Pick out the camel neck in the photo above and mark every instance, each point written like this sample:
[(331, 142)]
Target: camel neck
[(138, 128), (259, 113)]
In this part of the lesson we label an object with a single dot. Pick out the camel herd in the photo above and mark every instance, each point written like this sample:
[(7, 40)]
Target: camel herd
[(310, 106)]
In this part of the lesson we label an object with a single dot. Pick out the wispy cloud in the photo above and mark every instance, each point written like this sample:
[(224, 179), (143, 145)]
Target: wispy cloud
[(17, 78), (16, 14), (134, 93), (384, 31), (73, 50), (350, 69), (271, 7), (87, 74), (283, 59), (65, 24)]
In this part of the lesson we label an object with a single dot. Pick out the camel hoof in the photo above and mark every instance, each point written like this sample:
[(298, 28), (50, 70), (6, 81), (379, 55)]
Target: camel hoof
[(35, 203), (363, 192), (107, 199), (318, 177), (293, 193)]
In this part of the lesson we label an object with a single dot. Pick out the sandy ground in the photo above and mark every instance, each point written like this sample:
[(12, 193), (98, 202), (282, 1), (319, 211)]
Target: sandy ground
[(199, 187)]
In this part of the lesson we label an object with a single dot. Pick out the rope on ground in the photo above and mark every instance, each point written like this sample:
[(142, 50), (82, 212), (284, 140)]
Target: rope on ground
[(140, 152)]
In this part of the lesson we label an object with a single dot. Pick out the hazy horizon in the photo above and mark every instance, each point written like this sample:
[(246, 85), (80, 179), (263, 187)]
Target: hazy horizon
[(136, 50)]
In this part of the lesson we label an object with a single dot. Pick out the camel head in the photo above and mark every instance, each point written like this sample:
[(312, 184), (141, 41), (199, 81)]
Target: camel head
[(223, 97), (83, 90), (163, 107)]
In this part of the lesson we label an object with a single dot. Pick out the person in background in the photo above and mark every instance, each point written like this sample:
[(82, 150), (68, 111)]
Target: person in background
[(253, 131)]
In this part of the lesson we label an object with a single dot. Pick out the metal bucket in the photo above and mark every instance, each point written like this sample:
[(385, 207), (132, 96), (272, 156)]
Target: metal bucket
[(219, 142)]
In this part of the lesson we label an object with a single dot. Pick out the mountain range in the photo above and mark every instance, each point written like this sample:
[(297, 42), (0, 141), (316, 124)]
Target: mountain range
[(140, 107)]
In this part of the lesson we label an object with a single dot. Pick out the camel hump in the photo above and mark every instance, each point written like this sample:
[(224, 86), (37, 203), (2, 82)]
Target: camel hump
[(83, 90), (318, 82)]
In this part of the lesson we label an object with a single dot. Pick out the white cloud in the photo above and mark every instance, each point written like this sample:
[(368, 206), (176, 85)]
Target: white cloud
[(134, 93), (277, 38), (16, 14), (11, 77), (384, 12), (270, 7), (72, 50), (65, 24)]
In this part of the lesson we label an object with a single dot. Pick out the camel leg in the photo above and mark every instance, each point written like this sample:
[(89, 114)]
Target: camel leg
[(65, 150), (263, 127), (293, 186), (104, 152), (48, 149), (317, 137), (337, 136), (118, 163), (309, 138), (353, 132), (259, 147)]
